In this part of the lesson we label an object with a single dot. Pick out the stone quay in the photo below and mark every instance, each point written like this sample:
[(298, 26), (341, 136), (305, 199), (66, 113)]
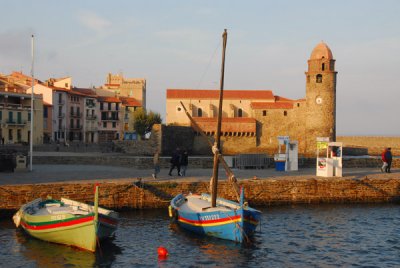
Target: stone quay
[(129, 187)]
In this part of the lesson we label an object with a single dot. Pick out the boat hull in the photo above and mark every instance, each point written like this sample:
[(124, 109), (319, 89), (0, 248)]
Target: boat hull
[(81, 231), (235, 224)]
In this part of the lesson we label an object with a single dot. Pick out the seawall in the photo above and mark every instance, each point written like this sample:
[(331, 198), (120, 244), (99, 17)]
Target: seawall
[(134, 194)]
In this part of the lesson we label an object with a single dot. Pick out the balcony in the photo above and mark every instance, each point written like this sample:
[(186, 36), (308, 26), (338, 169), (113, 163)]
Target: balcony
[(75, 128), (60, 102), (91, 117), (110, 118), (62, 115), (77, 114), (16, 123)]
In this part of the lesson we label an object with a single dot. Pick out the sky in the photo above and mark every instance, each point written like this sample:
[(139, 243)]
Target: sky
[(177, 44)]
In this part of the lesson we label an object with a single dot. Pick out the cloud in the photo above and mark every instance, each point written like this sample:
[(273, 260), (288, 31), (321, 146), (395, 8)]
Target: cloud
[(93, 21)]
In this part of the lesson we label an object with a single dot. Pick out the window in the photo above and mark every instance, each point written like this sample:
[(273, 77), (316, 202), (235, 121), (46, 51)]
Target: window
[(10, 117), (59, 98), (240, 112), (78, 123), (109, 106), (284, 113), (66, 84), (10, 134), (199, 112), (78, 111), (105, 124), (101, 106), (19, 135), (298, 104), (264, 112), (319, 78), (59, 123), (117, 106), (59, 110), (29, 116), (45, 112), (72, 123), (1, 115), (114, 124), (72, 110), (308, 79), (323, 67), (19, 117)]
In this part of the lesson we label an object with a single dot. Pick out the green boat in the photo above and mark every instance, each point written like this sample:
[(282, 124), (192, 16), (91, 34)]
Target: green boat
[(67, 222)]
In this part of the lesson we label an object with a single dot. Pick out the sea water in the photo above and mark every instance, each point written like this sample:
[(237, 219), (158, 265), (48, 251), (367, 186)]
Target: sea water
[(288, 236)]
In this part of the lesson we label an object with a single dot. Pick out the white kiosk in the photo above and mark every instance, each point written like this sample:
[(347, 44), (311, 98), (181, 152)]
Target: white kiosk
[(329, 158), (287, 158)]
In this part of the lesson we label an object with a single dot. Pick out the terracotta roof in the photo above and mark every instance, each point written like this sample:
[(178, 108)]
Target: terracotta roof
[(280, 99), (86, 91), (132, 102), (59, 89), (229, 124), (214, 94), (271, 105), (108, 99)]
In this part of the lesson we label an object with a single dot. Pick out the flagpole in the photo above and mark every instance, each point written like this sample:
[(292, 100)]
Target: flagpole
[(33, 82)]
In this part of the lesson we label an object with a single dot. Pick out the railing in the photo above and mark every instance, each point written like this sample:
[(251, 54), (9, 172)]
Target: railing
[(61, 115), (110, 119), (76, 127), (75, 114), (61, 102), (251, 161), (15, 123), (91, 117)]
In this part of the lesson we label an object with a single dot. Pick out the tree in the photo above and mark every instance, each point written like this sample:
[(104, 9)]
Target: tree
[(144, 122)]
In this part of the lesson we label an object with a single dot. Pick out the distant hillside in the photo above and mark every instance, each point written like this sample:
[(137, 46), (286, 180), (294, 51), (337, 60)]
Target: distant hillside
[(375, 144)]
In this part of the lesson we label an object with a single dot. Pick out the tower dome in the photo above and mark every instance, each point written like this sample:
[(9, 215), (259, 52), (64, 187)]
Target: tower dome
[(321, 51)]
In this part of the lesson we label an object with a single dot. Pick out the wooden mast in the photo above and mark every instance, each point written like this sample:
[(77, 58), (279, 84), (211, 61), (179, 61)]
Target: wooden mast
[(217, 142)]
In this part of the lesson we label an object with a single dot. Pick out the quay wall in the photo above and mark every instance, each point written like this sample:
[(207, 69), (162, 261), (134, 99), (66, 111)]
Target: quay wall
[(260, 192)]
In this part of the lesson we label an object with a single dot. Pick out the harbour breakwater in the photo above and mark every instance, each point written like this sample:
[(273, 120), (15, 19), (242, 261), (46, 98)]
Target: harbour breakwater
[(136, 194)]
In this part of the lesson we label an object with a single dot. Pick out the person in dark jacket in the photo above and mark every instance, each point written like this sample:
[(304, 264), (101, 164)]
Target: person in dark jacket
[(184, 162), (388, 158), (175, 162)]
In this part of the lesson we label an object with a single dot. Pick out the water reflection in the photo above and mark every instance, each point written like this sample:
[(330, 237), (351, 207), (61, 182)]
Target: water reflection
[(45, 254)]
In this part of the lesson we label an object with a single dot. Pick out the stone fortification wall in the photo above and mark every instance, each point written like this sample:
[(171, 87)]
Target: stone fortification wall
[(138, 195), (173, 137), (375, 144)]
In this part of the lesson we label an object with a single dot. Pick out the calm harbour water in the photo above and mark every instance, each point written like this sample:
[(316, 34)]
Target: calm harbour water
[(290, 236)]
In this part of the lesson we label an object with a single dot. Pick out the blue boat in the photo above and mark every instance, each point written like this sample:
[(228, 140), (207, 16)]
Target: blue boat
[(227, 220), (210, 215)]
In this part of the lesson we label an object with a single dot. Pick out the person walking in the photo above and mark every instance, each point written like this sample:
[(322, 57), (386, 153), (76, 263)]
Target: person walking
[(175, 162), (156, 163), (383, 156), (388, 158), (184, 162)]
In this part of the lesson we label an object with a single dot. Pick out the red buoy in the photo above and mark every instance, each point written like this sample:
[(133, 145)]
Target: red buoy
[(162, 252)]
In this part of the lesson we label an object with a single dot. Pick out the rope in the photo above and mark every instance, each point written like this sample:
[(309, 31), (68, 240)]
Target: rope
[(208, 65)]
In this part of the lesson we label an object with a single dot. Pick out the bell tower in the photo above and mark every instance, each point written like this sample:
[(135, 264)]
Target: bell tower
[(320, 95)]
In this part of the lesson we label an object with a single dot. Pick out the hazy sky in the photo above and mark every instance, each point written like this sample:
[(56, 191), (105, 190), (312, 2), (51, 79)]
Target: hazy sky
[(177, 44)]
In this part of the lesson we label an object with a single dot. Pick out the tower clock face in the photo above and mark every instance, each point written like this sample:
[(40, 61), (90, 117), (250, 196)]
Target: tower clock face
[(318, 100)]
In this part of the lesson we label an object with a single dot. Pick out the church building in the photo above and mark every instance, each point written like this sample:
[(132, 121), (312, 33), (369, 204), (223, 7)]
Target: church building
[(253, 119)]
